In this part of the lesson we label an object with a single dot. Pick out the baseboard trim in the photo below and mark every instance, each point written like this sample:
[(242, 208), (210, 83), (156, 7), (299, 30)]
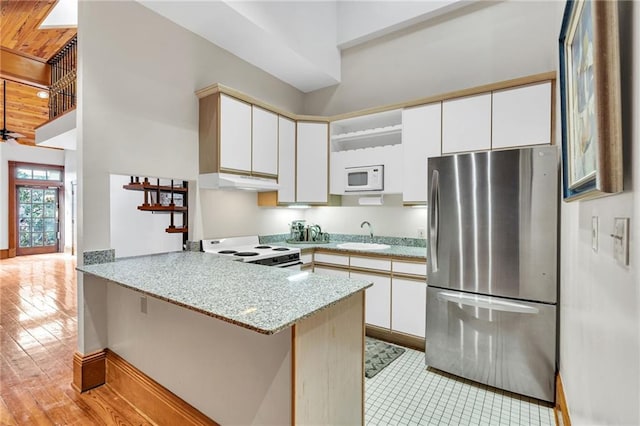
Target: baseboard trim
[(4, 254), (156, 402), (561, 410), (88, 370), (401, 339)]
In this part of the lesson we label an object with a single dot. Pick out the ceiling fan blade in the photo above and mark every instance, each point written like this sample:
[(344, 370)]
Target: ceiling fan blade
[(15, 135)]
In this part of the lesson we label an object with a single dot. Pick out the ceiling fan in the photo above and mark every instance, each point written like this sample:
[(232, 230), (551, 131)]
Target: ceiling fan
[(7, 135)]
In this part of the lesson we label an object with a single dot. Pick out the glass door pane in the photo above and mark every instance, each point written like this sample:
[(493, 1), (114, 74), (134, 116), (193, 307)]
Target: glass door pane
[(37, 219)]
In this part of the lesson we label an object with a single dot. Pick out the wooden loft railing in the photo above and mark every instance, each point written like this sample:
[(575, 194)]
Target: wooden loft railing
[(62, 92)]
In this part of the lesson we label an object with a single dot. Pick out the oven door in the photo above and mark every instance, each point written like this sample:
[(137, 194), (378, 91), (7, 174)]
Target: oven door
[(295, 265)]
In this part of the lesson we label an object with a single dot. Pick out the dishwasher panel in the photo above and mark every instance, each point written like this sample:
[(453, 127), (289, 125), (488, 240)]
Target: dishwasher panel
[(506, 343)]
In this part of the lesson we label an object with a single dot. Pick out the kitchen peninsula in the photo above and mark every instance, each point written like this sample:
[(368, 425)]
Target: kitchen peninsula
[(242, 343)]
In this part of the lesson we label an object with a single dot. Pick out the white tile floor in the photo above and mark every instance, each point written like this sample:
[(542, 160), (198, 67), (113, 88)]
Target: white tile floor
[(405, 393)]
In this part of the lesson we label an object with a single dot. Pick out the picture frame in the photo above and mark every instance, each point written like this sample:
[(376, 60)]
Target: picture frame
[(590, 100)]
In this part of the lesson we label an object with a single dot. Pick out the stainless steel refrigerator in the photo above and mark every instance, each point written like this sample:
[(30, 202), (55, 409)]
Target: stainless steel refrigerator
[(492, 268)]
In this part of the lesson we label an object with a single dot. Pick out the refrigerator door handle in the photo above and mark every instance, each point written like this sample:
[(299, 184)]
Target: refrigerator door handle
[(486, 303), (434, 220)]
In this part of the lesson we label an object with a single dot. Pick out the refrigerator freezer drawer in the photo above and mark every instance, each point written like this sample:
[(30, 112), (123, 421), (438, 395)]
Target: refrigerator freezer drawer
[(500, 342)]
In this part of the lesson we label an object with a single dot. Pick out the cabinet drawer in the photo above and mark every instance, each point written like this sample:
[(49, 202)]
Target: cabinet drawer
[(333, 259), (306, 258), (412, 268), (370, 263), (334, 272)]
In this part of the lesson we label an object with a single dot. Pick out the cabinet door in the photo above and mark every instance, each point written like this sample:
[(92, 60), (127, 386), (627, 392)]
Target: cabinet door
[(286, 160), (421, 139), (312, 162), (378, 299), (264, 157), (235, 134), (466, 124), (344, 273), (408, 311), (522, 116)]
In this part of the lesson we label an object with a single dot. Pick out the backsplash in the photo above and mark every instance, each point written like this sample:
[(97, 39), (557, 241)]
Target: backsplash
[(358, 238)]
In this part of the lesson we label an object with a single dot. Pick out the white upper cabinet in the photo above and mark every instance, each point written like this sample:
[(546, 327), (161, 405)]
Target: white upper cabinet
[(264, 156), (312, 162), (421, 138), (235, 134), (466, 124), (286, 160), (522, 116)]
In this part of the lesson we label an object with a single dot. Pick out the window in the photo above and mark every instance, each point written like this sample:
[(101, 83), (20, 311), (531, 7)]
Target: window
[(38, 173)]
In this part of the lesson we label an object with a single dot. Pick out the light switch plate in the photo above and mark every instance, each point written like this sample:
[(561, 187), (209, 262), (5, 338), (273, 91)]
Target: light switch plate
[(621, 240), (594, 233)]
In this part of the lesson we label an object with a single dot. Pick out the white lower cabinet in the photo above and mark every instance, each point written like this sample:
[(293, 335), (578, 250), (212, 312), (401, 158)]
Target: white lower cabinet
[(378, 299), (409, 306), (396, 303)]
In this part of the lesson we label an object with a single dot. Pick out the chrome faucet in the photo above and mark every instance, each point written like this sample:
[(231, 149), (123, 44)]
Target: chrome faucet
[(370, 230)]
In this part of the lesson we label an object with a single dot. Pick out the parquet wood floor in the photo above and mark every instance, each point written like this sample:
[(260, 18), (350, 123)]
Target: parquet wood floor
[(37, 341)]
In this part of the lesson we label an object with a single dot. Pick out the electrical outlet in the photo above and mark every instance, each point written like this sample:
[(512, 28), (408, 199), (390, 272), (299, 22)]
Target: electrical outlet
[(594, 233), (143, 304), (422, 233), (621, 240)]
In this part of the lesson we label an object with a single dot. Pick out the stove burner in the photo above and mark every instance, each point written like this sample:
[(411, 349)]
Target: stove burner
[(227, 252), (262, 247), (280, 249), (246, 253)]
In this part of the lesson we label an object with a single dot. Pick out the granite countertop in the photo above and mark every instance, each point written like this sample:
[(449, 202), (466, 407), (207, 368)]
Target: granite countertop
[(261, 298), (393, 250)]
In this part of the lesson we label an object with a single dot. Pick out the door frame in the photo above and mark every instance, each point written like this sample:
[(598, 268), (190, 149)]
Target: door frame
[(13, 204)]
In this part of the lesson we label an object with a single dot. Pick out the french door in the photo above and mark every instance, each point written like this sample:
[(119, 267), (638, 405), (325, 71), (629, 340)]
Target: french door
[(36, 208), (38, 219)]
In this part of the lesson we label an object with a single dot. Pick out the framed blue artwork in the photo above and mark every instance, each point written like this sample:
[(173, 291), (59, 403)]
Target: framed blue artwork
[(590, 100)]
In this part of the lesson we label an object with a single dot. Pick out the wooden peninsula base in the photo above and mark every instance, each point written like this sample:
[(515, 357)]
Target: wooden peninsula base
[(203, 368)]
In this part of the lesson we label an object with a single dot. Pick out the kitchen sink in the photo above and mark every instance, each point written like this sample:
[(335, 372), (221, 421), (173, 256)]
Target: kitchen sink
[(362, 246)]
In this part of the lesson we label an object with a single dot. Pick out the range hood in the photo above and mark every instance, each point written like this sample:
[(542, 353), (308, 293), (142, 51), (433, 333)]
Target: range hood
[(231, 181)]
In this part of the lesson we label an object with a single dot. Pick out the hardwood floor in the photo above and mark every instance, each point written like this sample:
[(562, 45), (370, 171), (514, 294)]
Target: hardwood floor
[(37, 341)]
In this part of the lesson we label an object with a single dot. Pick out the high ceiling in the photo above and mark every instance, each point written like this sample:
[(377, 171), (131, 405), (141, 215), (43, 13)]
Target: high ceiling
[(19, 34)]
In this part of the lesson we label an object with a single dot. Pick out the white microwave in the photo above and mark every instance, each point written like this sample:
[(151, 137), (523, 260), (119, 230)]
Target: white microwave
[(367, 178)]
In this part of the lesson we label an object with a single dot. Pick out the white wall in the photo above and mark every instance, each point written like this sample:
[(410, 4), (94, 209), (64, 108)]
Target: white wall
[(70, 180), (310, 31), (246, 381), (388, 220), (600, 299), (479, 44), (359, 21), (135, 232), (138, 115), (245, 217), (27, 154)]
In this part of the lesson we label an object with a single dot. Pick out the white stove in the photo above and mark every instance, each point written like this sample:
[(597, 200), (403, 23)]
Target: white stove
[(249, 250)]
